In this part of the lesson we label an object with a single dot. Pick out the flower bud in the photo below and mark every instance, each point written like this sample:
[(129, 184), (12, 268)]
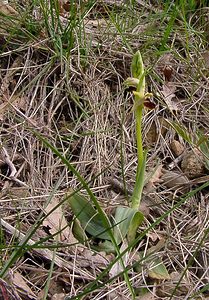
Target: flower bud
[(137, 66)]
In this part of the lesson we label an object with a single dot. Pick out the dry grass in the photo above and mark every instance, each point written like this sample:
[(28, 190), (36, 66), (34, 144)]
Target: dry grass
[(78, 103)]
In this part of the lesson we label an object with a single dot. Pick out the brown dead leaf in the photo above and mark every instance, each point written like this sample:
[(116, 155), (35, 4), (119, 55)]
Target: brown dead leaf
[(117, 267), (153, 236), (167, 287), (19, 102), (8, 97), (60, 296), (57, 223), (88, 257), (7, 291), (147, 296), (174, 180), (168, 92), (168, 71), (98, 22), (155, 130), (164, 126), (20, 282)]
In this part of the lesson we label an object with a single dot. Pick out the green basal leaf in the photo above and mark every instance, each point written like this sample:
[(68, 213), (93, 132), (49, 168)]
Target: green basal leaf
[(127, 220), (88, 217), (158, 270), (79, 232), (136, 221)]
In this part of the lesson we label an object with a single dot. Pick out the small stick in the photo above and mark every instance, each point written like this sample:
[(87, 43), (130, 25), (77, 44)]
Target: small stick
[(48, 254), (7, 160), (13, 170), (118, 186)]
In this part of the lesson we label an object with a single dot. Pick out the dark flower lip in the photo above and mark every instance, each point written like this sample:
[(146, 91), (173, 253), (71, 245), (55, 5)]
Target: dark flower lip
[(130, 89), (148, 104)]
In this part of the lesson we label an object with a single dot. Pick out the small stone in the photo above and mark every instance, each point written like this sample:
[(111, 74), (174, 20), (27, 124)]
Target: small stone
[(177, 148), (193, 164)]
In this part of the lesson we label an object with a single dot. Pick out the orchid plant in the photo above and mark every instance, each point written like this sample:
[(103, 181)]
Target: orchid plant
[(141, 99), (126, 221)]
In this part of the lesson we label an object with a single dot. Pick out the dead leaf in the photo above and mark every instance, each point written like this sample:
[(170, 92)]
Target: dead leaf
[(168, 92), (9, 102), (60, 296), (168, 71), (167, 288), (164, 126), (20, 282), (153, 236), (7, 291), (174, 180), (88, 257), (153, 132), (147, 296), (57, 223), (117, 267), (98, 22)]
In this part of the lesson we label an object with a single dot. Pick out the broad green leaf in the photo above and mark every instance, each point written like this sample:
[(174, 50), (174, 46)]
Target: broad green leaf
[(79, 232), (136, 221), (158, 270), (89, 218), (127, 221)]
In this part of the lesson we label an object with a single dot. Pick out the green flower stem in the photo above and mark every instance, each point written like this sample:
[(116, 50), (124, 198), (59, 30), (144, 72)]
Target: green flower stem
[(141, 156), (138, 116), (139, 183)]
